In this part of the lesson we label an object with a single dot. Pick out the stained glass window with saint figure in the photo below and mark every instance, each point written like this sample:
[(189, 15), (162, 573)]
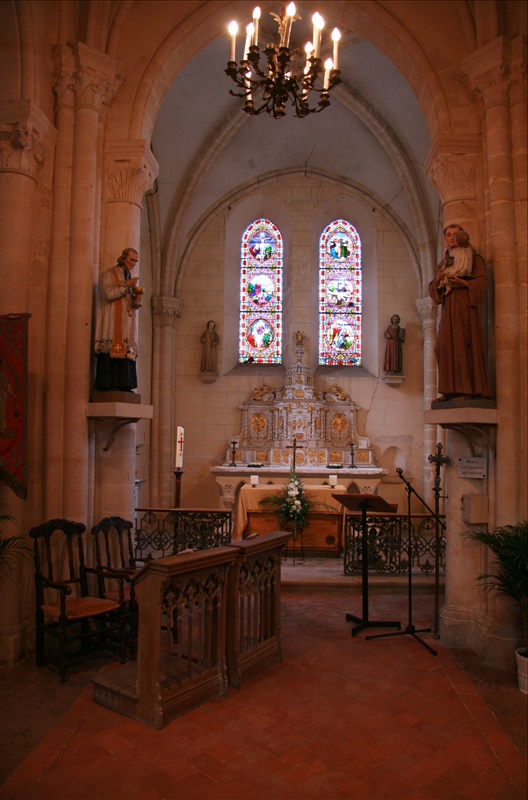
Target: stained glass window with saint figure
[(260, 327), (340, 295)]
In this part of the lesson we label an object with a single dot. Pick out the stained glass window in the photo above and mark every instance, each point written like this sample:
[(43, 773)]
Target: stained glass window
[(260, 328), (340, 295)]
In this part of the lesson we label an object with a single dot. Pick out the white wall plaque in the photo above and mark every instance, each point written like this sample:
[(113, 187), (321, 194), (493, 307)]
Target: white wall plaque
[(472, 467)]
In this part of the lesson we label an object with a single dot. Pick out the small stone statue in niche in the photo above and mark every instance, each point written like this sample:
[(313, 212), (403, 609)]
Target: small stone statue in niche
[(210, 341), (395, 336)]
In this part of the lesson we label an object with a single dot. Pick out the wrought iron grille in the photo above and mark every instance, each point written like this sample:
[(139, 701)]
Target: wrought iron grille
[(388, 544), (165, 532)]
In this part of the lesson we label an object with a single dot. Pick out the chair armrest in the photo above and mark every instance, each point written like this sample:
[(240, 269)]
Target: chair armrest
[(65, 588), (111, 573)]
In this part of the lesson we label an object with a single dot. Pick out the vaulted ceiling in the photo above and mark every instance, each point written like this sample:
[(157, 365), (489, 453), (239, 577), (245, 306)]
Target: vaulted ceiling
[(372, 137)]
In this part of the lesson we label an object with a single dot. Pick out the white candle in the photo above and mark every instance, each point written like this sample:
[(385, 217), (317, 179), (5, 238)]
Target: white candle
[(256, 17), (328, 66), (249, 38), (336, 36), (332, 480), (318, 25), (178, 459), (248, 87), (290, 12), (233, 30), (254, 479)]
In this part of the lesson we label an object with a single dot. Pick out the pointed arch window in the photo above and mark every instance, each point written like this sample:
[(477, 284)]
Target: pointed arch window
[(340, 295), (260, 324)]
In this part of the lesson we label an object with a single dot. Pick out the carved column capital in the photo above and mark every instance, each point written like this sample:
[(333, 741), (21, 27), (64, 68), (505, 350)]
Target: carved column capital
[(426, 310), (488, 71), (130, 170), (95, 78), (518, 70), (25, 136), (63, 74), (166, 310), (453, 166)]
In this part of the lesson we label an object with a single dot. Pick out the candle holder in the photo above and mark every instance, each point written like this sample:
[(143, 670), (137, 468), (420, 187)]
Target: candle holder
[(234, 445), (352, 462), (177, 489)]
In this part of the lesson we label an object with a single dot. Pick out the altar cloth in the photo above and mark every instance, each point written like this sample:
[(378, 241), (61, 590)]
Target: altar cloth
[(249, 499)]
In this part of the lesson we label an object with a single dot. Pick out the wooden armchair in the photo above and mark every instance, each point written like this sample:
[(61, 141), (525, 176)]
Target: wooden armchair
[(65, 610), (114, 554)]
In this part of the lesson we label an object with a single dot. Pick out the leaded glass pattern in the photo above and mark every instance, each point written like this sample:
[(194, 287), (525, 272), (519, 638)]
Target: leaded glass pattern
[(340, 295), (260, 328)]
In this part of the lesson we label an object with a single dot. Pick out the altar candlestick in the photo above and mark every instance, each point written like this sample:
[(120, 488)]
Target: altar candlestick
[(178, 460)]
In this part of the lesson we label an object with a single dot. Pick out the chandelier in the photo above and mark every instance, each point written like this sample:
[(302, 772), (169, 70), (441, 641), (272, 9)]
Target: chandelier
[(287, 75)]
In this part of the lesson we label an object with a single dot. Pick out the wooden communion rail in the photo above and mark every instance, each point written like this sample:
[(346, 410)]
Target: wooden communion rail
[(207, 619)]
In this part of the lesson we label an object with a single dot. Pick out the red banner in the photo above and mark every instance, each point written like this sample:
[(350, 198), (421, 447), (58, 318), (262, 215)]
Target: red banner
[(13, 402)]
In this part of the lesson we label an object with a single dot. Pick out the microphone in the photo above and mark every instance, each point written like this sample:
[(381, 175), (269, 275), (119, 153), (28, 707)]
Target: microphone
[(399, 471)]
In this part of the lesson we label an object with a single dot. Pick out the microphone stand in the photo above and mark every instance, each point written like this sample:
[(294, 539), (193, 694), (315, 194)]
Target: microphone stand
[(410, 629)]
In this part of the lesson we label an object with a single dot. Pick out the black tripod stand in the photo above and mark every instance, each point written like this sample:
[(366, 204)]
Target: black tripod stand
[(410, 629)]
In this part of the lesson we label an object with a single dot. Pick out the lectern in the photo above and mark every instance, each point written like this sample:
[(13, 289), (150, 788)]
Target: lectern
[(366, 503)]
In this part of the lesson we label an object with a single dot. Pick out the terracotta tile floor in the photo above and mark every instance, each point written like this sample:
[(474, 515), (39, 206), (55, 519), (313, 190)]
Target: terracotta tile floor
[(340, 717)]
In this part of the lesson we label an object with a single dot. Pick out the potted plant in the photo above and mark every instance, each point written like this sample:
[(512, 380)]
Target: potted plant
[(10, 546), (509, 577)]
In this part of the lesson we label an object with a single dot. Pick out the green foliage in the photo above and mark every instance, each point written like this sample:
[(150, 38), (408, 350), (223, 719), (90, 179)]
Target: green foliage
[(293, 506), (11, 547), (509, 575)]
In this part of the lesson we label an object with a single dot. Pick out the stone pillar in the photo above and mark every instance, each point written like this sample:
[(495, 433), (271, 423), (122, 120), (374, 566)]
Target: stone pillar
[(129, 170), (58, 280), (165, 312), (471, 618), (27, 139), (489, 72), (426, 310), (95, 82)]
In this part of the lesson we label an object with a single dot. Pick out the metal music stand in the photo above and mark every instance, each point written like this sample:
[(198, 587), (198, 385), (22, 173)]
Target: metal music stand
[(365, 503), (410, 628)]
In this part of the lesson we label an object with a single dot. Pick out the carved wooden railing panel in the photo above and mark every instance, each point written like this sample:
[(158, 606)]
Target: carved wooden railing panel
[(388, 544), (162, 532), (254, 606)]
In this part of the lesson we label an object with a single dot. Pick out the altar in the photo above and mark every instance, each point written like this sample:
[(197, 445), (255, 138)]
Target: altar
[(301, 426), (322, 537)]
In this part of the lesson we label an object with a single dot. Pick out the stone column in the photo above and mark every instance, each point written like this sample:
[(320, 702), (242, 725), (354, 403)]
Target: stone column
[(165, 312), (129, 171), (27, 139), (426, 310), (455, 171), (58, 279), (489, 72), (95, 83)]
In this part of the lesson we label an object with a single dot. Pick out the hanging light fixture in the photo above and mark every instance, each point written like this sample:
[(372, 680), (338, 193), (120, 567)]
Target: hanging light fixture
[(287, 75)]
